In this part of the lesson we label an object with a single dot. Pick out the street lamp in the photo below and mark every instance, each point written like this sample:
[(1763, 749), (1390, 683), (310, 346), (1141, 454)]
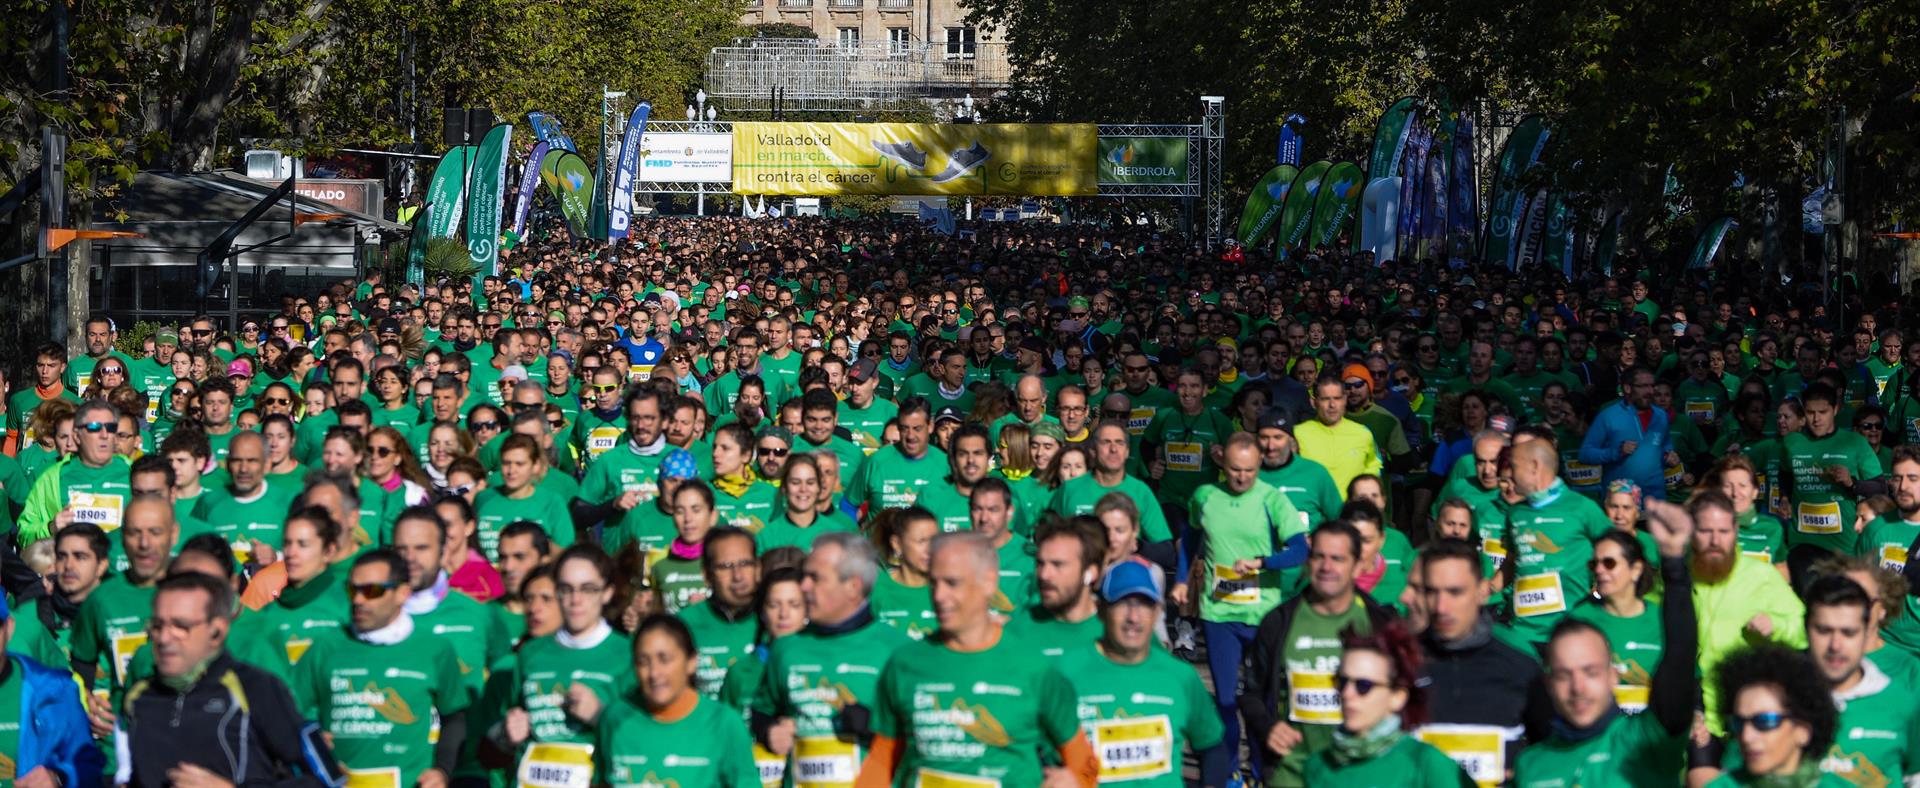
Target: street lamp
[(694, 114)]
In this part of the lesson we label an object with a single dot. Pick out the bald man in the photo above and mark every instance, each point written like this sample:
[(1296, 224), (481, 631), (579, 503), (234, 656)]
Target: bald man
[(1551, 531), (995, 705), (1029, 405), (112, 623), (250, 511)]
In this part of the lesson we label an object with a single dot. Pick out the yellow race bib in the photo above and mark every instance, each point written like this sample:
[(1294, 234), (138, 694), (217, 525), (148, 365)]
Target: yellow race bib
[(1134, 748), (1233, 588), (825, 762), (1538, 595), (101, 509), (388, 777), (556, 765), (1311, 698), (1818, 518), (1481, 750), (1894, 557), (934, 778), (1185, 456)]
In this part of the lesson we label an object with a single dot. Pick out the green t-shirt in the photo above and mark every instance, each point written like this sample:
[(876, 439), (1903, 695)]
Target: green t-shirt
[(242, 520), (1409, 763), (1147, 406), (1886, 540), (890, 479), (906, 608), (1139, 717), (678, 582), (97, 495), (1308, 487), (594, 436), (1080, 495), (985, 714), (476, 631), (111, 626), (645, 524), (304, 613), (1553, 539), (11, 688), (1823, 511), (721, 642), (1251, 525), (851, 454), (1311, 652), (379, 703), (867, 425), (23, 403), (1762, 536), (751, 509), (1186, 444), (1874, 742), (1637, 645), (1051, 635), (708, 747), (539, 679), (952, 509), (810, 677), (781, 532), (494, 511), (1634, 750)]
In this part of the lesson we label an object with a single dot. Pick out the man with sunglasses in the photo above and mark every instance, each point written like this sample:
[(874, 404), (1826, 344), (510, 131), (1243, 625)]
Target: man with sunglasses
[(88, 487), (377, 686), (602, 420), (1147, 399)]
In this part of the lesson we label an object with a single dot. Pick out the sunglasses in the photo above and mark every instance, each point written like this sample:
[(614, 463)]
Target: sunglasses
[(1871, 425), (602, 388), (383, 451), (108, 427), (1361, 687), (1606, 562), (773, 451), (556, 423), (1356, 384), (370, 591), (276, 401), (182, 392), (461, 490), (485, 425), (1764, 722)]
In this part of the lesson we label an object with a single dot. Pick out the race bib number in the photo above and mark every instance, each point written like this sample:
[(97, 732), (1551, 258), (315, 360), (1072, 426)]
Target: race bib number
[(1894, 557), (124, 647), (1138, 421), (1700, 412), (772, 768), (1580, 474), (1538, 595), (600, 439), (1134, 748), (1761, 555), (556, 765), (297, 648), (153, 408), (1676, 475), (934, 778), (101, 509), (1632, 697), (1311, 698), (1494, 549), (1233, 588), (825, 762), (1480, 750), (388, 777), (1818, 518), (1185, 456), (640, 372)]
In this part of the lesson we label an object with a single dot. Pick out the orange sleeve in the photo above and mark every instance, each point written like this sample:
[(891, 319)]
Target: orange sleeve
[(881, 761), (1077, 755)]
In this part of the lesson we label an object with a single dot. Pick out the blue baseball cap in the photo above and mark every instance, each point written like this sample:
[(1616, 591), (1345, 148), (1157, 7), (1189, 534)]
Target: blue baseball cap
[(1131, 577)]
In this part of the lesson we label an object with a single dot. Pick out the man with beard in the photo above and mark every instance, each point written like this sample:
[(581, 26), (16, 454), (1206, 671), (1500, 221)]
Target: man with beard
[(1736, 601), (1068, 554), (1889, 538)]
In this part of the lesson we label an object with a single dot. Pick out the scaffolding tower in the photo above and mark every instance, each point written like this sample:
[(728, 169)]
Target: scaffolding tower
[(805, 75)]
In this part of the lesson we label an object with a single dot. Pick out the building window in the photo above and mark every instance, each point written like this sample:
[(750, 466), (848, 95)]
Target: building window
[(848, 38), (960, 43), (899, 40)]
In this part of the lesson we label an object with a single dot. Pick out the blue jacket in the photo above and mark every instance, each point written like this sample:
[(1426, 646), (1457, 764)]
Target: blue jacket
[(53, 726), (1646, 466)]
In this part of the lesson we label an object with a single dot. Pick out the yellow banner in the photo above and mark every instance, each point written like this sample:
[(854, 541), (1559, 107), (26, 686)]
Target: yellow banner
[(1040, 160)]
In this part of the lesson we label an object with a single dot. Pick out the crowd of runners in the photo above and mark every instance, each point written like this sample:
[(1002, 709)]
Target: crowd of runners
[(837, 503)]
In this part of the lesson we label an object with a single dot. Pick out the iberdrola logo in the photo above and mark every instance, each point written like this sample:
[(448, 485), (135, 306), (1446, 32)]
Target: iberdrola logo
[(575, 181), (1278, 191), (1121, 155), (1343, 188)]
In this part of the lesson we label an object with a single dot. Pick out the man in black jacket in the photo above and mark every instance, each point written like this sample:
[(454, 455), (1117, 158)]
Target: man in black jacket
[(1288, 699), (205, 720), (1483, 696)]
